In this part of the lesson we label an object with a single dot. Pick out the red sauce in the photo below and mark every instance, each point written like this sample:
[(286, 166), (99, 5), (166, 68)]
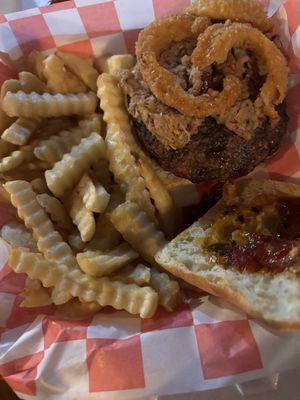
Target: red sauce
[(261, 253), (268, 253)]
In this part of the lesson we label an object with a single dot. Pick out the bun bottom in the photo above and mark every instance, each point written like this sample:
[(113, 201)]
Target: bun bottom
[(272, 298)]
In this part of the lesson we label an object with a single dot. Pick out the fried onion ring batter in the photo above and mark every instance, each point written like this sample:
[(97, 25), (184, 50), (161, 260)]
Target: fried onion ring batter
[(236, 10), (200, 24), (164, 85), (214, 45)]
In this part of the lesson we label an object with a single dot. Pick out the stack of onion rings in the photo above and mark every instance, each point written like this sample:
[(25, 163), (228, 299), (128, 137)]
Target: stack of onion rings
[(251, 12), (163, 84), (214, 43)]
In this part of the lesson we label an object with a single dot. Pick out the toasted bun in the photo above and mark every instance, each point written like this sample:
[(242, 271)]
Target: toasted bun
[(274, 299)]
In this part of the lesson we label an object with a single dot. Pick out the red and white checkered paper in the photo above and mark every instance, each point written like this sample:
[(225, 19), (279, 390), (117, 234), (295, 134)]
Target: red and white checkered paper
[(205, 344)]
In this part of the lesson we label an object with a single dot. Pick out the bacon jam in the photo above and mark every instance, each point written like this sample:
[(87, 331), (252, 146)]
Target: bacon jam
[(260, 253), (262, 237)]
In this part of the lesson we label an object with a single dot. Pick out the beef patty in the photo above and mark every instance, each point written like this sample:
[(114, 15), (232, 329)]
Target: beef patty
[(214, 152), (203, 149)]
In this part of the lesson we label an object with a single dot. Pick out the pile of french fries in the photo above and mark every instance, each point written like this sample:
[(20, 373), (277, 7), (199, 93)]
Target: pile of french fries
[(91, 209)]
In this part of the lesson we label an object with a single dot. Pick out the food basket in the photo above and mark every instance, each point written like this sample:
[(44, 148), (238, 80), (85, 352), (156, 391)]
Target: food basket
[(206, 343)]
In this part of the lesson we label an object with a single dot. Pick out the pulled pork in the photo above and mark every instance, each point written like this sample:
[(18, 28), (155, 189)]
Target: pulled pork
[(175, 129), (158, 117)]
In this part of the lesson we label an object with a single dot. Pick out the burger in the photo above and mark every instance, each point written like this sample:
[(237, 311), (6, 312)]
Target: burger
[(231, 129)]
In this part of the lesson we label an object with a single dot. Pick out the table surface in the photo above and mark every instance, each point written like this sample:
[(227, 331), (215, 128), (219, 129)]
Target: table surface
[(277, 387)]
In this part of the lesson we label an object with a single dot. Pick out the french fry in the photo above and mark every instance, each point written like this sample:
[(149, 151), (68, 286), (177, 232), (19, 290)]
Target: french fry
[(112, 102), (66, 172), (38, 165), (22, 174), (168, 289), (55, 209), (52, 126), (39, 186), (100, 63), (91, 123), (35, 295), (27, 83), (118, 141), (117, 197), (47, 105), (17, 65), (11, 85), (49, 241), (21, 131), (106, 236), (81, 217), (100, 171), (81, 68), (94, 195), (132, 298), (140, 275), (119, 61), (159, 194), (16, 158), (138, 230), (35, 63), (77, 310), (54, 148), (75, 241), (98, 202), (5, 121), (6, 148), (4, 196), (162, 199), (97, 263), (17, 235), (59, 79), (60, 296), (31, 83)]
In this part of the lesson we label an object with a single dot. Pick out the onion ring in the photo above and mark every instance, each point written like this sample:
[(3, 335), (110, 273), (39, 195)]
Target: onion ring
[(200, 24), (214, 44), (249, 11), (163, 84)]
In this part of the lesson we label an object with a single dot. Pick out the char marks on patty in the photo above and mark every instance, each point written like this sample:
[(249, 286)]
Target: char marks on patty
[(214, 152)]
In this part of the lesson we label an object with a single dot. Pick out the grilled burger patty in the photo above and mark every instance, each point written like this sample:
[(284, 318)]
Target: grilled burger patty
[(203, 149), (214, 152)]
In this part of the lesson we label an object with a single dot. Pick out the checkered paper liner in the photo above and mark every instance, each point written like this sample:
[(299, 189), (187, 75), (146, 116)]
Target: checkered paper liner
[(205, 344)]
